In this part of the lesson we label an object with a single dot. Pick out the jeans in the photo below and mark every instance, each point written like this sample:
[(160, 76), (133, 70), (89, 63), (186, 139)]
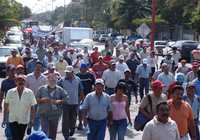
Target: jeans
[(118, 129), (97, 129), (17, 130), (37, 123), (197, 128), (49, 127), (144, 85), (69, 119), (7, 131)]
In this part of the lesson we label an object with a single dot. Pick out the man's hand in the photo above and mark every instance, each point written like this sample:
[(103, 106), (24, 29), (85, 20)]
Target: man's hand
[(45, 100), (3, 124)]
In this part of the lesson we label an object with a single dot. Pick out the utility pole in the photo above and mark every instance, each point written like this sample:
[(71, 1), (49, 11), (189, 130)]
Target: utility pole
[(153, 24)]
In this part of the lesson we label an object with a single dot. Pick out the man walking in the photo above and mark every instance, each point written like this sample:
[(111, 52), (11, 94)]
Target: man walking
[(34, 81), (98, 107), (147, 108), (88, 82), (194, 102), (19, 106), (143, 72), (72, 84), (50, 98), (181, 113), (111, 77), (161, 127)]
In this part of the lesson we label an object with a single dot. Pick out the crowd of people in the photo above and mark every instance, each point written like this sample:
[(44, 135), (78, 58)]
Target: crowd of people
[(47, 82)]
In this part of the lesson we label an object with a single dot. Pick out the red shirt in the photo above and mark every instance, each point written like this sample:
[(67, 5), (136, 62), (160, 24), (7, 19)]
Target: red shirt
[(95, 57), (107, 59), (99, 68)]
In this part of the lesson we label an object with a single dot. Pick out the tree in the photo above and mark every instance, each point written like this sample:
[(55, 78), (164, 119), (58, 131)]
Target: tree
[(124, 11), (195, 21), (25, 13)]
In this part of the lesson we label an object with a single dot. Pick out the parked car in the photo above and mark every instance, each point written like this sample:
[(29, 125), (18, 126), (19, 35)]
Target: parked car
[(186, 47), (5, 51), (103, 37)]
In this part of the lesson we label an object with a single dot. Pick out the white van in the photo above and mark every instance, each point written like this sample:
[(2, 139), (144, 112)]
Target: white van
[(70, 34)]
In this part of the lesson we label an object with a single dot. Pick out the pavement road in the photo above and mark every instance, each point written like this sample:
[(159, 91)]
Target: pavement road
[(132, 134)]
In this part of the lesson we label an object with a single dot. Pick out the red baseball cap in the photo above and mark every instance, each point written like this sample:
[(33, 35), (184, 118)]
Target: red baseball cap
[(157, 84)]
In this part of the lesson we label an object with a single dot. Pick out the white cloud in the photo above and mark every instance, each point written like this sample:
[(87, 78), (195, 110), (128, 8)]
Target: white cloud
[(38, 6)]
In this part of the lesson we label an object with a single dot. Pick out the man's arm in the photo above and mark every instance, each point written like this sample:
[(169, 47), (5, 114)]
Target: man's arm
[(191, 125), (32, 115), (1, 99), (5, 113)]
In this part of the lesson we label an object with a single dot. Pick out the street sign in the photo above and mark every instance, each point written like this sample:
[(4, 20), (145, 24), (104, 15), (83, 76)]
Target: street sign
[(143, 30)]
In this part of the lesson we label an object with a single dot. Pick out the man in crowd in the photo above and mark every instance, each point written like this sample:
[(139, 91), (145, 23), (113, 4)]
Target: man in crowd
[(72, 84), (98, 107), (147, 108), (183, 68), (143, 72), (132, 63), (166, 77), (30, 66), (6, 85), (181, 113), (50, 98), (99, 67), (88, 82), (197, 83), (35, 80), (19, 102), (193, 73), (194, 102), (161, 127), (121, 65), (95, 55), (111, 77), (15, 59), (131, 86), (170, 62)]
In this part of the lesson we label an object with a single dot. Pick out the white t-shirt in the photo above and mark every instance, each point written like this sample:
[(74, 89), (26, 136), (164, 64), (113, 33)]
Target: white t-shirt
[(121, 66), (152, 61), (20, 109), (111, 78), (155, 130)]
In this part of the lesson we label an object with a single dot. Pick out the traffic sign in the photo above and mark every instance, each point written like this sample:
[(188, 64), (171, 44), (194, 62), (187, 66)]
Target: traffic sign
[(143, 30)]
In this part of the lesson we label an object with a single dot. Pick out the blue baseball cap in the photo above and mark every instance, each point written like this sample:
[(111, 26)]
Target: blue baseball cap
[(83, 66)]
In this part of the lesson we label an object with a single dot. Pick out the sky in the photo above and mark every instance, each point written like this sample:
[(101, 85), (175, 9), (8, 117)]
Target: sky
[(39, 6)]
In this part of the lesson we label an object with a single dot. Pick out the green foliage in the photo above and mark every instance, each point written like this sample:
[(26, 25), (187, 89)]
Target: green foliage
[(195, 21), (139, 21), (11, 12)]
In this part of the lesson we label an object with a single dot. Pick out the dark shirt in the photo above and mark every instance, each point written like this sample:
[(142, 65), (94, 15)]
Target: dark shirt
[(132, 65), (87, 80), (6, 85)]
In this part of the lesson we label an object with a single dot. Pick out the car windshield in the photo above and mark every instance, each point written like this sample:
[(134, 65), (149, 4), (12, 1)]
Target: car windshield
[(5, 52)]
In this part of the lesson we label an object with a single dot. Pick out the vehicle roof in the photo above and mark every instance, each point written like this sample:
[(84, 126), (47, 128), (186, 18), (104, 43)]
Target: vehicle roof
[(9, 47)]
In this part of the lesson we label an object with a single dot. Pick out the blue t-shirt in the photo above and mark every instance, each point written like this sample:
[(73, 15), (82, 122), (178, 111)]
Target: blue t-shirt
[(197, 87), (6, 85)]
